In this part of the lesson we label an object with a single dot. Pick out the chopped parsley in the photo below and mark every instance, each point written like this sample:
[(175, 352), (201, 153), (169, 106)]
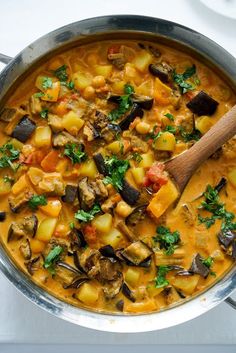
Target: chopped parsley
[(180, 79), (52, 258), (37, 200), (61, 73), (194, 135), (72, 225), (208, 262), (156, 133), (39, 94), (44, 113), (124, 104), (116, 169), (84, 216), (75, 153), (47, 83), (8, 154), (169, 116), (160, 280), (167, 239), (136, 157), (171, 129), (8, 179)]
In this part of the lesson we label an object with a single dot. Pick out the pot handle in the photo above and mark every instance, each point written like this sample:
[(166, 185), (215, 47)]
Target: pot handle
[(5, 59), (231, 302)]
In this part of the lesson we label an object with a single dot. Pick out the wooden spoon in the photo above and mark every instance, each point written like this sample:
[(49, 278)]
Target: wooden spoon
[(182, 167)]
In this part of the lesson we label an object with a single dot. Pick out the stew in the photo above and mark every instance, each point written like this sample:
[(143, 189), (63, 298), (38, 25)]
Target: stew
[(87, 209)]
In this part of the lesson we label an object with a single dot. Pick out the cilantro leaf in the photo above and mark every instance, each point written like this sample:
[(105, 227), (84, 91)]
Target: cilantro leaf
[(124, 104), (170, 128), (136, 157), (8, 154), (128, 89), (195, 135), (51, 258), (169, 116), (75, 153), (61, 73), (180, 79), (37, 200), (46, 83), (167, 239), (160, 280), (84, 216), (116, 169), (44, 113)]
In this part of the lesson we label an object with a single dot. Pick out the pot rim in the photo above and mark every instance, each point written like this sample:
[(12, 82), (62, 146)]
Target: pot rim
[(82, 31)]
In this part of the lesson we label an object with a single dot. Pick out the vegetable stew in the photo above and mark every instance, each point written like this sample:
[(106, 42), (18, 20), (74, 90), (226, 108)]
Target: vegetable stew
[(87, 209)]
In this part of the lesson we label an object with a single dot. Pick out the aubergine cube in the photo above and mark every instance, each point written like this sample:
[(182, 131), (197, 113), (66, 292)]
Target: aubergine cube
[(226, 238), (136, 253), (70, 194), (100, 163), (2, 216), (159, 71), (198, 267), (202, 104), (24, 129), (144, 102), (136, 111), (129, 194)]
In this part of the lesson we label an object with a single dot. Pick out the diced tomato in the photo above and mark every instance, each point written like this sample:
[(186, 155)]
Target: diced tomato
[(90, 234), (50, 161), (35, 157), (113, 50), (156, 176)]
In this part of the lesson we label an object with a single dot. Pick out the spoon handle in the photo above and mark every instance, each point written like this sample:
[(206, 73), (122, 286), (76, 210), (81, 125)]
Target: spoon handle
[(182, 167)]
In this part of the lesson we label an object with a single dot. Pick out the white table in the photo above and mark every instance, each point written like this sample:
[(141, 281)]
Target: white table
[(22, 322)]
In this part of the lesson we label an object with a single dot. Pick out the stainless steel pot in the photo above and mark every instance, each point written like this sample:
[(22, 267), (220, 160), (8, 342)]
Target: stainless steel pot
[(86, 31)]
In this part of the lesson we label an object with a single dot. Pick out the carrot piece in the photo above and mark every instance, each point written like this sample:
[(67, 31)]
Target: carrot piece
[(50, 161), (90, 234), (53, 208), (61, 108), (35, 157)]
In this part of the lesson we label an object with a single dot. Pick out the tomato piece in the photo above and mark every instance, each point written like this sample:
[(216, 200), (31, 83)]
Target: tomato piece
[(156, 176), (35, 157), (90, 234), (50, 161)]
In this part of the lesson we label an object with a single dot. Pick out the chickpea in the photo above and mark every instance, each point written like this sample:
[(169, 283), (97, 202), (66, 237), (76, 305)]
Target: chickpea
[(143, 128), (89, 93), (98, 81), (123, 209)]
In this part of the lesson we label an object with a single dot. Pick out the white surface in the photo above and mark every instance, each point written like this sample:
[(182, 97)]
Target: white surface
[(223, 7), (21, 23)]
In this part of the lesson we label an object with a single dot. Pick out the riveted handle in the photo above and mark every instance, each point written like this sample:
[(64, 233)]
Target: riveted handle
[(231, 302), (5, 59)]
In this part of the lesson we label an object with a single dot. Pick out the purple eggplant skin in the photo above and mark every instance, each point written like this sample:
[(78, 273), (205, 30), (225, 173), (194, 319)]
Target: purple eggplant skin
[(128, 293), (70, 194), (202, 104), (159, 71), (24, 129), (220, 185), (135, 111), (129, 194), (144, 102), (120, 305), (108, 251), (76, 283), (226, 238), (2, 216), (198, 267), (100, 163)]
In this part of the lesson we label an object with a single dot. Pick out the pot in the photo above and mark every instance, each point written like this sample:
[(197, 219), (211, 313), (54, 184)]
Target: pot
[(86, 31)]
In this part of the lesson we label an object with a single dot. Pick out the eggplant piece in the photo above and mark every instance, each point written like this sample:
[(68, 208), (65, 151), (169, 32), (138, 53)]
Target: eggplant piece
[(226, 238), (2, 216), (76, 283), (8, 114), (77, 239), (114, 98), (100, 163), (134, 112), (112, 288), (126, 231), (108, 269), (198, 267), (120, 305), (137, 253), (32, 265), (77, 262), (108, 251), (68, 267), (221, 184), (86, 194), (70, 194), (30, 225), (90, 132), (24, 129), (128, 293), (61, 139), (25, 250), (129, 194), (202, 104), (233, 255), (144, 102), (136, 216), (16, 203), (160, 71), (15, 232)]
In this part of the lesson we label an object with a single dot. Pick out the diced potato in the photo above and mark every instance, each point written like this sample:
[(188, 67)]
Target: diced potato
[(103, 223), (153, 291), (123, 209), (72, 122), (162, 92), (46, 229), (43, 136), (115, 147), (89, 169), (147, 160), (35, 175), (118, 87), (5, 187), (17, 144), (232, 177), (20, 185), (132, 276), (81, 80), (103, 70), (36, 246), (141, 307), (187, 284), (112, 238), (180, 147), (50, 94), (174, 259), (163, 199), (138, 175), (53, 208), (146, 88), (218, 255), (62, 166), (166, 142), (142, 60), (88, 294), (142, 128), (204, 123)]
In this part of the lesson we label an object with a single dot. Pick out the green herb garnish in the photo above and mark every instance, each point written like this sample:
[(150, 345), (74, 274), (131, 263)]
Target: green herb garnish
[(51, 258), (180, 79), (208, 262), (9, 154), (37, 200), (160, 280), (47, 83), (195, 135), (167, 239), (116, 169), (8, 179), (39, 94), (124, 104), (169, 116), (171, 129), (44, 113), (61, 73), (84, 216), (75, 153), (136, 157)]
